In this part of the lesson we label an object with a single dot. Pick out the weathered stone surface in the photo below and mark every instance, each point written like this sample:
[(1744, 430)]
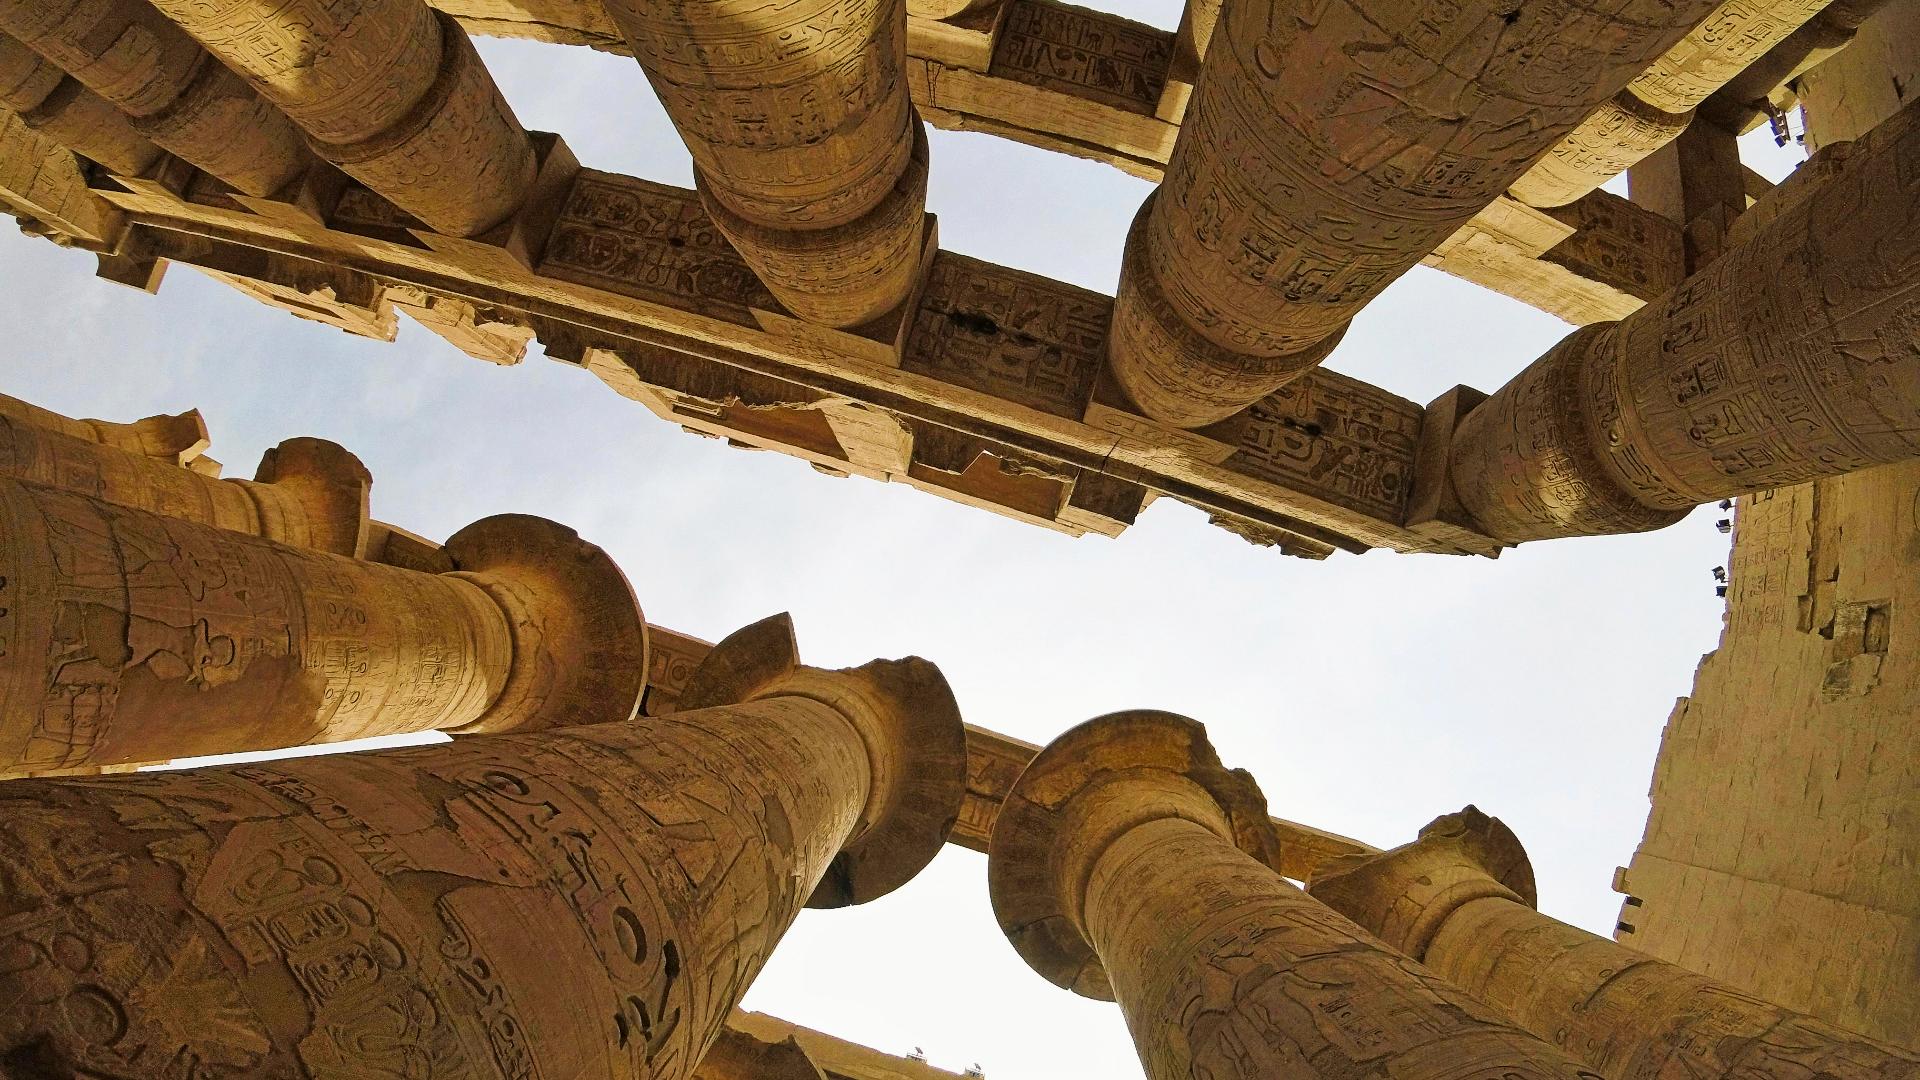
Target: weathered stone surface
[(1128, 864), (329, 916), (59, 107), (133, 637), (1460, 900), (307, 493), (145, 66), (1326, 152), (458, 158), (177, 439), (832, 224), (1793, 356)]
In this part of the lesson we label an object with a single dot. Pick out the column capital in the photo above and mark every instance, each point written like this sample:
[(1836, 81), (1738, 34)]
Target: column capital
[(909, 722), (1083, 791), (1405, 894), (579, 638)]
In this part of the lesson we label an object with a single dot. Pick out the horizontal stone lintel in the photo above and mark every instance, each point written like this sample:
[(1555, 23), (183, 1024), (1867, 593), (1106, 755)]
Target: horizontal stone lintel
[(985, 388)]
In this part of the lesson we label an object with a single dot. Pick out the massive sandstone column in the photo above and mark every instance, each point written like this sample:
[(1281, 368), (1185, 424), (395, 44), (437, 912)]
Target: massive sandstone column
[(1658, 104), (807, 150), (178, 439), (388, 90), (1792, 356), (1330, 146), (588, 902), (1460, 900), (307, 492), (126, 636), (1127, 864), (53, 103), (172, 91)]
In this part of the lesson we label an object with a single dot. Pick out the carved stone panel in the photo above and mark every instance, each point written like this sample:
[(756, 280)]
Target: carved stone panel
[(1016, 336), (1089, 54), (1332, 437)]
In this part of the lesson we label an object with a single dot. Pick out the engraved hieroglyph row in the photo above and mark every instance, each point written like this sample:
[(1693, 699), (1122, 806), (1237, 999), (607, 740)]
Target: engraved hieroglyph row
[(1793, 356), (331, 916), (1460, 900), (131, 636), (804, 140), (1329, 150), (175, 94), (1086, 83), (55, 104), (1129, 865)]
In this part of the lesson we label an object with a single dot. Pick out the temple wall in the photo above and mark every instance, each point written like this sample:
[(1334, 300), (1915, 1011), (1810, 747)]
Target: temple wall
[(1784, 840)]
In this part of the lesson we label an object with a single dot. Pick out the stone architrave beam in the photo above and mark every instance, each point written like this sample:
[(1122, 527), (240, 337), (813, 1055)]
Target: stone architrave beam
[(591, 901), (1130, 866), (1460, 900), (173, 92), (807, 150), (1794, 355), (1332, 146), (132, 637)]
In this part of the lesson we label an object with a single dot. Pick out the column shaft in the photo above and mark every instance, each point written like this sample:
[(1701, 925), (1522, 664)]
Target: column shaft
[(1227, 972), (387, 89), (134, 637), (1627, 1014), (1459, 900), (310, 493), (587, 902), (178, 438), (1330, 146), (174, 93), (1795, 355), (808, 152), (1659, 103), (56, 105), (1127, 863)]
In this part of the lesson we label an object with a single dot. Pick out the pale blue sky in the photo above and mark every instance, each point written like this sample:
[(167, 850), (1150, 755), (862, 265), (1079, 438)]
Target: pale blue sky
[(1368, 694)]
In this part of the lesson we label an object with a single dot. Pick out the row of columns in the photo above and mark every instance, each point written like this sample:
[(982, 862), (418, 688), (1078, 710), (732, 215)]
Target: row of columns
[(568, 890), (1793, 355), (389, 91)]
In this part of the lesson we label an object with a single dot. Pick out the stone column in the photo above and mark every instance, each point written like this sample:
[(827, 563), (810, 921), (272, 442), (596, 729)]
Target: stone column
[(387, 89), (307, 492), (127, 636), (1460, 900), (589, 902), (808, 153), (1127, 864), (1330, 146), (173, 92), (1794, 355), (1658, 104), (178, 439), (53, 103)]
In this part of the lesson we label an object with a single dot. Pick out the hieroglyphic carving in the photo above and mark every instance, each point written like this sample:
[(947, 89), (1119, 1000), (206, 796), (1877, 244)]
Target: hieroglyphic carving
[(1330, 149), (1618, 241), (1460, 900), (132, 56), (1796, 355), (1333, 436), (1725, 43), (803, 138), (335, 916), (58, 106), (1023, 338), (651, 242), (672, 659), (121, 623), (1129, 865), (1090, 54)]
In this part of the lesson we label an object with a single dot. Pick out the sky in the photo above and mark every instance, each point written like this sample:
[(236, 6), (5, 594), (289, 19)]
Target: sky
[(1367, 694)]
